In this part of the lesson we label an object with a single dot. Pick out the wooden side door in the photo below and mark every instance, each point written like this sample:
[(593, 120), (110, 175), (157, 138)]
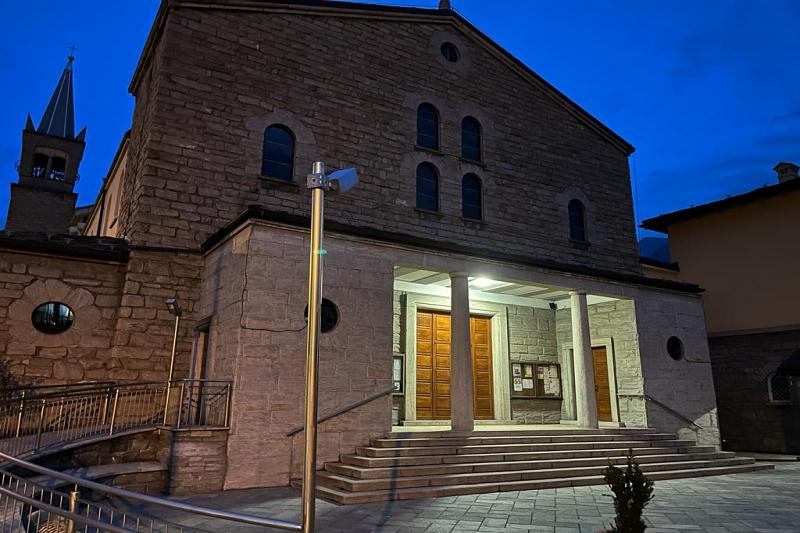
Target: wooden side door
[(602, 390), (480, 329)]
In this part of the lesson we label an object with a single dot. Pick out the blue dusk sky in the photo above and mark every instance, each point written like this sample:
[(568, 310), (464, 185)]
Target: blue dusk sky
[(708, 92)]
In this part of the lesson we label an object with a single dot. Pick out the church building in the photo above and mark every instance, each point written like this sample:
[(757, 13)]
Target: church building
[(484, 271)]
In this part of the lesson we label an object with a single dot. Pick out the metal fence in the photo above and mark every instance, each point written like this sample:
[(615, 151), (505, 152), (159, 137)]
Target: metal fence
[(40, 418)]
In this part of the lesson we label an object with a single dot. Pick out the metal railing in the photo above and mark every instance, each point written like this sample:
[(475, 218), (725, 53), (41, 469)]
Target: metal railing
[(28, 507), (43, 419), (345, 409), (663, 406)]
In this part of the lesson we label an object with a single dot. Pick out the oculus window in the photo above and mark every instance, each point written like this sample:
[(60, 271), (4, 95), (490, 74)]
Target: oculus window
[(52, 318), (449, 52), (277, 160)]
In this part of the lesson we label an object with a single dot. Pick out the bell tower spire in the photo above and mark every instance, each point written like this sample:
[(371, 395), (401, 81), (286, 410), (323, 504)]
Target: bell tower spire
[(43, 199)]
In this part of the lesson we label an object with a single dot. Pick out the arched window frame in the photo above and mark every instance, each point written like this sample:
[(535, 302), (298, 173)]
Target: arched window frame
[(40, 164), (576, 217), (471, 139), (284, 166), (428, 126), (779, 394), (469, 205), (427, 201)]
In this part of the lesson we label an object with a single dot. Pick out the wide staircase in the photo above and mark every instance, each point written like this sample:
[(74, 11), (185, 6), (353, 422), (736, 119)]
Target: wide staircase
[(430, 464)]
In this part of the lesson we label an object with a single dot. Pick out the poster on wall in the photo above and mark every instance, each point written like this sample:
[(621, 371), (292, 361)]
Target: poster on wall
[(397, 373), (517, 384), (527, 384), (516, 370), (536, 380)]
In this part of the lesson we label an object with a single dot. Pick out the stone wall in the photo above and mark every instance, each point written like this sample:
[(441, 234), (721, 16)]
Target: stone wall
[(616, 321), (90, 288), (741, 365), (196, 144), (197, 462), (682, 391)]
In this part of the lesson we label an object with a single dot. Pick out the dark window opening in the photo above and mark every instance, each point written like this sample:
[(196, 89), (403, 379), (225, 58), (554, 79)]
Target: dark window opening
[(779, 387), (40, 162), (427, 187), (471, 201), (427, 127), (58, 168), (328, 317), (449, 52), (471, 139), (675, 348), (577, 221), (278, 158), (52, 318)]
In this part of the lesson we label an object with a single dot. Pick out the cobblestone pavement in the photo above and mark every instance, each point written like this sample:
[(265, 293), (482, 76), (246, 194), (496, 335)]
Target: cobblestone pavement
[(767, 501)]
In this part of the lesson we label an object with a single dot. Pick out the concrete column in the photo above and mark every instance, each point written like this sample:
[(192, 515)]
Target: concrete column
[(461, 395), (585, 399)]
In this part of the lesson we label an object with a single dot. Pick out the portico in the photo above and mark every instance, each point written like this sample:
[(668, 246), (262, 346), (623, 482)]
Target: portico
[(465, 340)]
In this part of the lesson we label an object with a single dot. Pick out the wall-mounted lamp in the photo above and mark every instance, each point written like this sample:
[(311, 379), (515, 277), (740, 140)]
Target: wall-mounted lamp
[(173, 307)]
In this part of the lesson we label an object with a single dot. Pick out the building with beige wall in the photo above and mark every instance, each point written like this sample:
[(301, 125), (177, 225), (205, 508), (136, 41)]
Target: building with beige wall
[(743, 250)]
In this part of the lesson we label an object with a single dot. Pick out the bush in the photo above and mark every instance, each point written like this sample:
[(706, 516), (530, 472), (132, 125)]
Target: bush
[(632, 492)]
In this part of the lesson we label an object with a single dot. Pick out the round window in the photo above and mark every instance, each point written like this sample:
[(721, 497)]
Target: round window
[(52, 318), (329, 316), (449, 52), (675, 348)]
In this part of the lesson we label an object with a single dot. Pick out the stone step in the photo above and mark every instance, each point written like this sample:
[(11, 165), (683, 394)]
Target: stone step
[(360, 472), (331, 479), (513, 439), (344, 497), (380, 462), (520, 432), (507, 448)]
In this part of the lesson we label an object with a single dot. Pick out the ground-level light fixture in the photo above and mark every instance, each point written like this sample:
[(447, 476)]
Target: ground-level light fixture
[(319, 182), (175, 310)]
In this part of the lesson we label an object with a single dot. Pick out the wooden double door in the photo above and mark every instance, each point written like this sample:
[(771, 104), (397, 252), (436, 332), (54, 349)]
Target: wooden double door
[(602, 387), (434, 366)]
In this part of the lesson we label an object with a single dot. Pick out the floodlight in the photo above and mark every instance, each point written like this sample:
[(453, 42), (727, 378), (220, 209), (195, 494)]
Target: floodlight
[(342, 180)]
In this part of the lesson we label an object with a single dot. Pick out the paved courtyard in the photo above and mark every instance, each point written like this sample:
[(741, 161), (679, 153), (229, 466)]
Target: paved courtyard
[(767, 501)]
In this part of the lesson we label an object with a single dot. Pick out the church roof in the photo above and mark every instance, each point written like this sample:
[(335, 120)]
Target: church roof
[(59, 117)]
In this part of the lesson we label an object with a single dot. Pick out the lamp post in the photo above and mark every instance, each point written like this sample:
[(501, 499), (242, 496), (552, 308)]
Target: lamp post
[(175, 310), (318, 182)]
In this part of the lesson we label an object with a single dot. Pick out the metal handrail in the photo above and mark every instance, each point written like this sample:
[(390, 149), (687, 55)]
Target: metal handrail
[(345, 409), (663, 406), (135, 496)]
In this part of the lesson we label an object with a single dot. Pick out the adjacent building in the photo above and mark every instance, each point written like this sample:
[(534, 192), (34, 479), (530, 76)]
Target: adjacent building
[(485, 268), (743, 250)]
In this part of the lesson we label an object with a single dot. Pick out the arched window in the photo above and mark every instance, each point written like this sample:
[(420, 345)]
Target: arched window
[(427, 127), (779, 388), (58, 168), (427, 187), (471, 139), (40, 162), (277, 160), (471, 201), (577, 221)]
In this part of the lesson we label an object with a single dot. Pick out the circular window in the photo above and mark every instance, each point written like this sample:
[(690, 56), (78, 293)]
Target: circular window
[(675, 348), (449, 52), (329, 316), (52, 318)]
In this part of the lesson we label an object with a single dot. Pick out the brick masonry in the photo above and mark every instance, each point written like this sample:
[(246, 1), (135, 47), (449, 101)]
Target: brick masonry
[(742, 364), (197, 461)]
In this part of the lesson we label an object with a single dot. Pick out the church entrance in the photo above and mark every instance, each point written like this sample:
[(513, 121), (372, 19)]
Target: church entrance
[(434, 364), (602, 388)]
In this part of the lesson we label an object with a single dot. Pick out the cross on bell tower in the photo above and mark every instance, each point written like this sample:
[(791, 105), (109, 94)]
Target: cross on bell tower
[(43, 199)]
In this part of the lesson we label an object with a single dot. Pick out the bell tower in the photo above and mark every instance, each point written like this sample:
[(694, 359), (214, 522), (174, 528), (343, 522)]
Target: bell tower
[(43, 199)]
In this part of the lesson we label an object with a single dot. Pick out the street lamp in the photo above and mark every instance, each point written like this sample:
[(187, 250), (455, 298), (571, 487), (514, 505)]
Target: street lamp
[(175, 310), (319, 182)]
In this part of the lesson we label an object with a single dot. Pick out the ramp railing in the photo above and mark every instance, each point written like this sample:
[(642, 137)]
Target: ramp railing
[(41, 419)]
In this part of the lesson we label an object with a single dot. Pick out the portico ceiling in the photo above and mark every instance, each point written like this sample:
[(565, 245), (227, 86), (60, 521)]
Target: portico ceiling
[(411, 279)]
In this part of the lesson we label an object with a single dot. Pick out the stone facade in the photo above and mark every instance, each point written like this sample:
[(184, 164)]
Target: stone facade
[(747, 419), (196, 142), (197, 461), (90, 288)]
